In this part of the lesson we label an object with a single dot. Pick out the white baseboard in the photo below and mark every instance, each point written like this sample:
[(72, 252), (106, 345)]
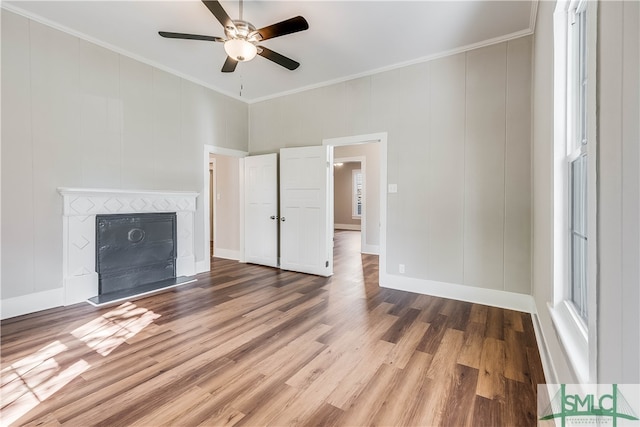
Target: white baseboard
[(355, 227), (226, 254), (548, 367), (205, 265), (370, 249), (492, 297), (30, 303)]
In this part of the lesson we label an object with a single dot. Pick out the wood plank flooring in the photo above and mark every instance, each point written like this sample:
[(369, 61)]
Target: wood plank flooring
[(250, 345)]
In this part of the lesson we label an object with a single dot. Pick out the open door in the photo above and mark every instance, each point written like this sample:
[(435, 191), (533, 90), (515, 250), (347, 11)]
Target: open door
[(305, 228), (261, 209)]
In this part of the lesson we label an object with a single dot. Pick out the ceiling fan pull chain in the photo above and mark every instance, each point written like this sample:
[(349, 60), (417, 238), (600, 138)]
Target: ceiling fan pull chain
[(241, 8)]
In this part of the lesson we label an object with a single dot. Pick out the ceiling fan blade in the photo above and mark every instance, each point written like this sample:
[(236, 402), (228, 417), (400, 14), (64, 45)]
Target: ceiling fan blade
[(229, 65), (277, 58), (218, 11), (170, 35), (289, 26)]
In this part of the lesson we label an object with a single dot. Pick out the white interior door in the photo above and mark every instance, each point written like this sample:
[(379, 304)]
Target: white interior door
[(261, 209), (305, 233)]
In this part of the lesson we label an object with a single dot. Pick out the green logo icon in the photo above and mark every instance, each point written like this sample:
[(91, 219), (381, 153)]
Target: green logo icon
[(566, 405)]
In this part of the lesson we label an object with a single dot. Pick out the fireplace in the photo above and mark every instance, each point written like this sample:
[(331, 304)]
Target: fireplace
[(85, 278), (133, 250)]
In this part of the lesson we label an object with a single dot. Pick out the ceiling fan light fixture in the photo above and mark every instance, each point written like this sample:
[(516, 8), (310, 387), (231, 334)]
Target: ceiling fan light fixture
[(240, 49)]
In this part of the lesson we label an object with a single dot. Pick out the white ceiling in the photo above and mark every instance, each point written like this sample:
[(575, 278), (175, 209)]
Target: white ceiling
[(345, 38)]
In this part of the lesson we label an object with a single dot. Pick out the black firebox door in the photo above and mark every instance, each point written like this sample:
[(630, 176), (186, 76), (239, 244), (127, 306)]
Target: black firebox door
[(134, 250)]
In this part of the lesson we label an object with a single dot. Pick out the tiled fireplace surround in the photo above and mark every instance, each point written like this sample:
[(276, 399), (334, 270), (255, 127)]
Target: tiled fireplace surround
[(80, 208)]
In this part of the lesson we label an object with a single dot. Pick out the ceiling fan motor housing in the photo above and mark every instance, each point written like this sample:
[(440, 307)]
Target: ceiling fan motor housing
[(243, 30)]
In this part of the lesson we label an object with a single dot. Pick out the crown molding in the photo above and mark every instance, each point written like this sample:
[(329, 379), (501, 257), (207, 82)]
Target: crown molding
[(49, 23), (522, 33)]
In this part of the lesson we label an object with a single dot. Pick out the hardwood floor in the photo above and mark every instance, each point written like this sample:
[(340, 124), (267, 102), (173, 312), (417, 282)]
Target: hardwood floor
[(250, 345)]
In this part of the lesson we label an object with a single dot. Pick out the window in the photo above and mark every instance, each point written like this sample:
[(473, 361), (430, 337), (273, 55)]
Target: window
[(577, 159), (574, 267), (356, 179)]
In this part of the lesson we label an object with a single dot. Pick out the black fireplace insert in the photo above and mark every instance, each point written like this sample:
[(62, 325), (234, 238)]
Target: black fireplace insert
[(134, 250)]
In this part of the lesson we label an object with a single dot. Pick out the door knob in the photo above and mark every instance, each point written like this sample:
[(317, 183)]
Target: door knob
[(273, 217), (282, 219)]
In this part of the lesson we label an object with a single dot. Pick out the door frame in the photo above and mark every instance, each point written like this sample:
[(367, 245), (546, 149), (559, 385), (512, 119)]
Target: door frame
[(204, 265), (380, 138)]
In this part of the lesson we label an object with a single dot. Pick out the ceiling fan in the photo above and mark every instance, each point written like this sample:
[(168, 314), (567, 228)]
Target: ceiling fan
[(242, 38)]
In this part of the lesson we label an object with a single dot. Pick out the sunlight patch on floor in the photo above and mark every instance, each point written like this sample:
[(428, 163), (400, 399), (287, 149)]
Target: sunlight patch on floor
[(33, 379), (108, 331)]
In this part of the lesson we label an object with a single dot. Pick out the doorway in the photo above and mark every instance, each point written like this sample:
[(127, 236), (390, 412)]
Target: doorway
[(349, 207), (223, 212), (373, 222), (346, 160), (224, 205), (307, 165)]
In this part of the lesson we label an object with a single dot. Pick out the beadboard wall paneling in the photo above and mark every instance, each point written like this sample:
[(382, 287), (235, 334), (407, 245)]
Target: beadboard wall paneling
[(459, 149), (79, 115)]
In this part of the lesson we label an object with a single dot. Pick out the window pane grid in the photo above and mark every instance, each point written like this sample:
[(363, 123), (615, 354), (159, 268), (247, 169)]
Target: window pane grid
[(578, 288), (577, 161), (582, 78), (357, 193)]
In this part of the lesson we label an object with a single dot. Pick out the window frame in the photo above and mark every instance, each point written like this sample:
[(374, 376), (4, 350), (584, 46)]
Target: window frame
[(577, 146), (354, 194), (577, 335)]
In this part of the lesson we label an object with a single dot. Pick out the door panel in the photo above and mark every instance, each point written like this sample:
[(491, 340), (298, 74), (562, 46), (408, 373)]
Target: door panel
[(304, 210), (261, 209)]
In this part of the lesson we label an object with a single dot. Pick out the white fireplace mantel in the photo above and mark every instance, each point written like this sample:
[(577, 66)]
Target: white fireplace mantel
[(81, 205)]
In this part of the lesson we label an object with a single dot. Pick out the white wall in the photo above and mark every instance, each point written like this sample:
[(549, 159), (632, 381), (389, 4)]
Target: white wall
[(619, 192), (78, 115), (618, 96), (458, 149)]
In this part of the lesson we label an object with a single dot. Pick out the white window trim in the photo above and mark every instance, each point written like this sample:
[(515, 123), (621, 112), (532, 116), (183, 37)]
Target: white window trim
[(578, 339), (354, 211)]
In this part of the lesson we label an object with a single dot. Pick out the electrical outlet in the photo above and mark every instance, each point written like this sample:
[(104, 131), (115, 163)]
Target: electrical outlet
[(401, 268)]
